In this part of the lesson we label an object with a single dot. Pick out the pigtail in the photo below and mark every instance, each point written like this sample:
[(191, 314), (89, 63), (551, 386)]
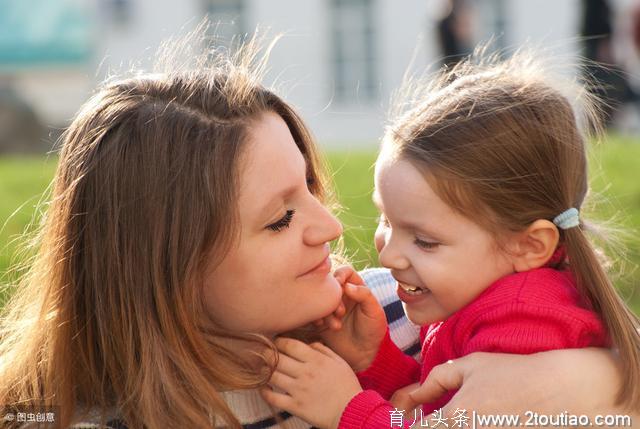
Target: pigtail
[(622, 325)]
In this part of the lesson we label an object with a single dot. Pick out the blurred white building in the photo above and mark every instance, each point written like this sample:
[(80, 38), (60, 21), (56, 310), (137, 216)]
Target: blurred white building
[(338, 61)]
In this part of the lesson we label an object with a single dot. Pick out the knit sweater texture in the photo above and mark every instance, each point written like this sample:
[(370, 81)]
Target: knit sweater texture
[(522, 313)]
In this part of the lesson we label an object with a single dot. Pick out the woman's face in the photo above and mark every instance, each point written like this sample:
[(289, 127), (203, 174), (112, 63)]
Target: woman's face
[(276, 277)]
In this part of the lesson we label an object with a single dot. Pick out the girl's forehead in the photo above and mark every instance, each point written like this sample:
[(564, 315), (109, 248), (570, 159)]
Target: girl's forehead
[(385, 159), (398, 178)]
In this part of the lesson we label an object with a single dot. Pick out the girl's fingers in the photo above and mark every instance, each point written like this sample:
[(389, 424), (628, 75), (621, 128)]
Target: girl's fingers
[(278, 400), (355, 279), (346, 273), (332, 321), (340, 311), (342, 273), (294, 349), (363, 296), (282, 381), (357, 293), (318, 323), (324, 350), (336, 324), (288, 365)]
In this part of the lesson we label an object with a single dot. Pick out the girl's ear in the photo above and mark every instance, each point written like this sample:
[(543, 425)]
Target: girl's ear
[(533, 247)]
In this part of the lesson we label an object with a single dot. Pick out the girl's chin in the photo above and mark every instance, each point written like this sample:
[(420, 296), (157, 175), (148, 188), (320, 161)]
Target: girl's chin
[(422, 319)]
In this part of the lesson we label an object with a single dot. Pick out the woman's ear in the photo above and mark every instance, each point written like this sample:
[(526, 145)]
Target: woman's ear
[(533, 247)]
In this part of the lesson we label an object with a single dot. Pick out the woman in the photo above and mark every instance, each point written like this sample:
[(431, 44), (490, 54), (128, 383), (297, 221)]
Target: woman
[(187, 228)]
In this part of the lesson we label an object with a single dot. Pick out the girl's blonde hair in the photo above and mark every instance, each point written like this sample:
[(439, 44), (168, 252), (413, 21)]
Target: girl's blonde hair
[(110, 315), (503, 143)]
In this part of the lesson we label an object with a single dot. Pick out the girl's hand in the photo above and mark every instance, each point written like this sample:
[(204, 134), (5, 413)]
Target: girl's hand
[(316, 382), (363, 325), (344, 274), (356, 328)]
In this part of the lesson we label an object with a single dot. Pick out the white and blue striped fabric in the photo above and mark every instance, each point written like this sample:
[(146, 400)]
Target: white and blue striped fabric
[(403, 332)]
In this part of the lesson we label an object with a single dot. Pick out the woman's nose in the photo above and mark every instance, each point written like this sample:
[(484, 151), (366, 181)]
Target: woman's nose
[(322, 228)]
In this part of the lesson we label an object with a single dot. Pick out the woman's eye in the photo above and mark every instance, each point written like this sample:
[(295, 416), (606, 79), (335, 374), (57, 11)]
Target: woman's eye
[(383, 221), (310, 182), (284, 222), (425, 244)]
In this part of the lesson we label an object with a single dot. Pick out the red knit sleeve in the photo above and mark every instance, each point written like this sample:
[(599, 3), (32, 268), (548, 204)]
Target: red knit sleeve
[(525, 328), (368, 410), (390, 370)]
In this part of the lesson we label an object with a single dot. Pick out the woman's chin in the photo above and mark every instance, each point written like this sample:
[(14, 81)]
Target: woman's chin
[(332, 295), (319, 300)]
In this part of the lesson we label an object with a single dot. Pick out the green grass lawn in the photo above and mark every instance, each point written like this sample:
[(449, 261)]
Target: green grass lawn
[(615, 173), (23, 181)]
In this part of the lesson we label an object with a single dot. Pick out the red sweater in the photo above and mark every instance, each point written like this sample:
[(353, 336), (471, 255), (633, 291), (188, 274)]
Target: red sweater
[(522, 313)]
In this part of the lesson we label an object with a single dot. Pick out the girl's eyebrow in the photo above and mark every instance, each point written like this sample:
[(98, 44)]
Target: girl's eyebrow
[(375, 197)]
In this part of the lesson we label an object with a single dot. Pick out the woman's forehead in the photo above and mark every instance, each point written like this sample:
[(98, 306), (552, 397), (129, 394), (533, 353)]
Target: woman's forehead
[(273, 163)]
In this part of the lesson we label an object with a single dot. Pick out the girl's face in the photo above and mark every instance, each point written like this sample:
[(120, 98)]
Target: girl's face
[(276, 277), (441, 259)]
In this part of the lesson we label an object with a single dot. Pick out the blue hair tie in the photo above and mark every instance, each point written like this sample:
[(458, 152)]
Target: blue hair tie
[(567, 219)]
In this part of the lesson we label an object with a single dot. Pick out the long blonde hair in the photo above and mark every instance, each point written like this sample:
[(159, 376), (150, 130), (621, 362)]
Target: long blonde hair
[(110, 315), (504, 143)]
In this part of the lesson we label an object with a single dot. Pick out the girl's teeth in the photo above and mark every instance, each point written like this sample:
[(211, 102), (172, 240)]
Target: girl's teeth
[(412, 290)]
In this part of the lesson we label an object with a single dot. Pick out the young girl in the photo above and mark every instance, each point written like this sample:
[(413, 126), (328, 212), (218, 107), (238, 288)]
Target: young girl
[(480, 185)]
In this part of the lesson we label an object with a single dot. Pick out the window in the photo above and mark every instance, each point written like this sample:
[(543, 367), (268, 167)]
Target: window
[(353, 57)]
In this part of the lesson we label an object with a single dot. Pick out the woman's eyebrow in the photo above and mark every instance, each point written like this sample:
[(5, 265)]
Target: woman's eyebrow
[(269, 207)]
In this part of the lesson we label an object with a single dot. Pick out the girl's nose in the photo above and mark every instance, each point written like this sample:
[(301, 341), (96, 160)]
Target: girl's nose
[(389, 253)]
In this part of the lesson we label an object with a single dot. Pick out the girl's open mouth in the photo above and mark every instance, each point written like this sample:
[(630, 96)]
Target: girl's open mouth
[(412, 290)]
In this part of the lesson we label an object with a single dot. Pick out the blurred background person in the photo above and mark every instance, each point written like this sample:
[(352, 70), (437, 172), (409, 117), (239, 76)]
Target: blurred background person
[(609, 79), (455, 31)]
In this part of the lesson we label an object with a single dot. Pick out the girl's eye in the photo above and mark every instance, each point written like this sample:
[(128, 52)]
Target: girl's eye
[(283, 222), (425, 244)]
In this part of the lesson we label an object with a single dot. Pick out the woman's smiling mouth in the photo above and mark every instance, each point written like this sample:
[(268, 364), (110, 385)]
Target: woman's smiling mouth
[(323, 268)]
